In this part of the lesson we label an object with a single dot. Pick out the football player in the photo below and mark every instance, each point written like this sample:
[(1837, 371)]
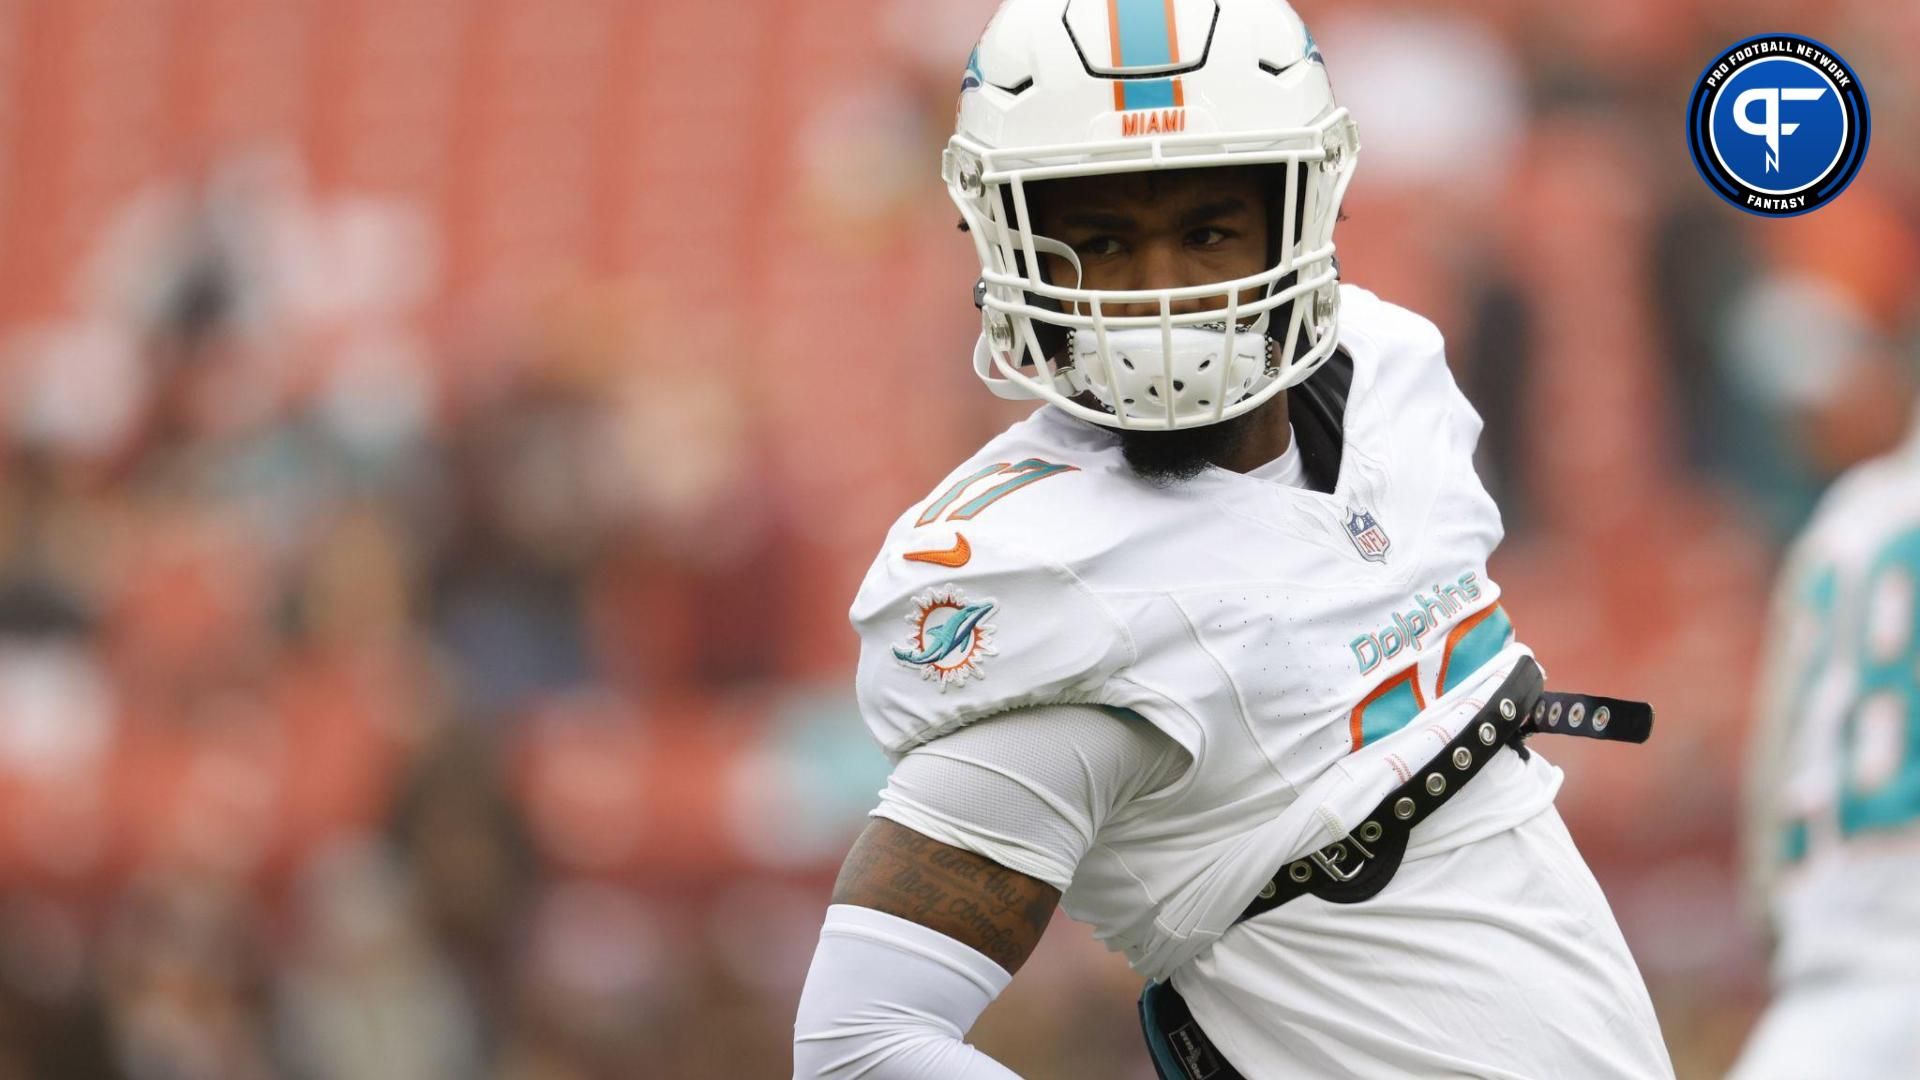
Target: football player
[(1205, 651), (1835, 792)]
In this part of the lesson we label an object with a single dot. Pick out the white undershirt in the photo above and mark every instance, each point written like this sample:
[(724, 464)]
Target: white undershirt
[(1031, 788)]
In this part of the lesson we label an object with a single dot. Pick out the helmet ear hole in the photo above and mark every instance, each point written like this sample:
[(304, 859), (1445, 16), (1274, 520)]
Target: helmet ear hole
[(1054, 340)]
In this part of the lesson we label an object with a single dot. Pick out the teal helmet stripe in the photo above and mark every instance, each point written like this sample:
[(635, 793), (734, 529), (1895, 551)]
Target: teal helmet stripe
[(1148, 93), (1145, 40)]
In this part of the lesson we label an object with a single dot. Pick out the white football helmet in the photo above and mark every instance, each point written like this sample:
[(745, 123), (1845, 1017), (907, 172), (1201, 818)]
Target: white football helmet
[(1061, 88)]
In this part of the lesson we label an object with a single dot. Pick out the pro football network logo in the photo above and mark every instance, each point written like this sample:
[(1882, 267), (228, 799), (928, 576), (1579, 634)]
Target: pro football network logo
[(1778, 125), (1369, 539), (950, 636)]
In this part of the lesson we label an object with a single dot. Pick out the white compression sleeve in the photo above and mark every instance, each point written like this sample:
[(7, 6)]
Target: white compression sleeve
[(887, 998), (1031, 789)]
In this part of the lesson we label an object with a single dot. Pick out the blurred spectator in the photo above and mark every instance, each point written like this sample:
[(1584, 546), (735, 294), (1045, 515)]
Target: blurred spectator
[(1814, 387), (52, 1022), (183, 982), (471, 863), (367, 992), (591, 987)]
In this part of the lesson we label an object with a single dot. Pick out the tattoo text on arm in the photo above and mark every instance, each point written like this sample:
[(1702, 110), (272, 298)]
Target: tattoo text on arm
[(965, 896)]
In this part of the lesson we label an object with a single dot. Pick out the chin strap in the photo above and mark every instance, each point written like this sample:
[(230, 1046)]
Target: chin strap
[(1069, 381), (1053, 340), (1003, 388)]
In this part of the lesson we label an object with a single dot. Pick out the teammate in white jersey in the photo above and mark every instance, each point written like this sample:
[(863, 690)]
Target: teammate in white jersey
[(1205, 651), (1834, 828)]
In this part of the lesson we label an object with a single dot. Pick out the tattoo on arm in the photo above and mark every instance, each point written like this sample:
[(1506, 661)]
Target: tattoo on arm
[(965, 896)]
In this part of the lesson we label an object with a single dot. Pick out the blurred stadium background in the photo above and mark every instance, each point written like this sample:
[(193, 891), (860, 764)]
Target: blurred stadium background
[(439, 440)]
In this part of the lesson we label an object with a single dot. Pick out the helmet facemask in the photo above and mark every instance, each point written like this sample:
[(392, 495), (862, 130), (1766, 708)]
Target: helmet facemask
[(1060, 341)]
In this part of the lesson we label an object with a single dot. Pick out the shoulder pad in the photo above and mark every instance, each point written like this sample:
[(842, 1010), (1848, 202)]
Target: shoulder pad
[(1395, 333), (1406, 361), (957, 624)]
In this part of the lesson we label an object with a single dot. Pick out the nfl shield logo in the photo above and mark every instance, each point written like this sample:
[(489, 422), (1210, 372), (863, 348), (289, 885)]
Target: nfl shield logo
[(1369, 539)]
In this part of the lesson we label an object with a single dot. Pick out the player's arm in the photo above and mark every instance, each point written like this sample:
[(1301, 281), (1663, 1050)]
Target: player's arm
[(998, 912), (946, 893), (921, 937)]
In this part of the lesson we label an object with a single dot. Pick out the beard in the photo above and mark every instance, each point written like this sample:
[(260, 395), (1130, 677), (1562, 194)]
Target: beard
[(1166, 458)]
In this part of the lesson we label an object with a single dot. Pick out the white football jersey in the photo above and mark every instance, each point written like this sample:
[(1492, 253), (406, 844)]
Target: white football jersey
[(1285, 637), (1835, 834)]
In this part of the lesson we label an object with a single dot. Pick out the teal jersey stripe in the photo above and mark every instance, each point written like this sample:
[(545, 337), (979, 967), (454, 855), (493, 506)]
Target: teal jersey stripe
[(1035, 470), (954, 492), (1389, 712), (1480, 645), (1793, 843)]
